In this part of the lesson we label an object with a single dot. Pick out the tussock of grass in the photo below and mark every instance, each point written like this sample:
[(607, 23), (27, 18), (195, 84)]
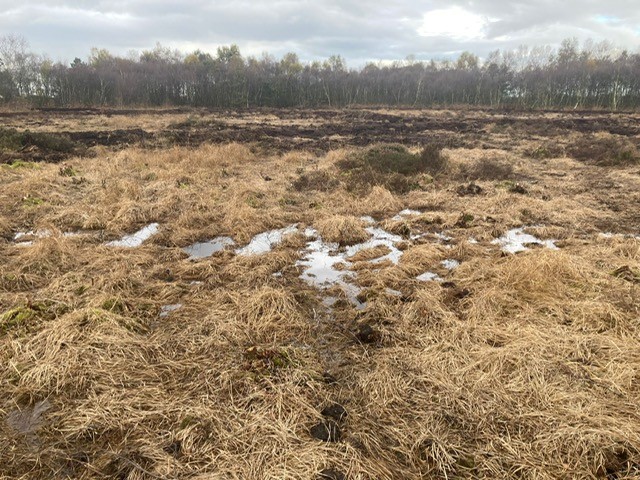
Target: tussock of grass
[(316, 180), (379, 201), (342, 229), (488, 169)]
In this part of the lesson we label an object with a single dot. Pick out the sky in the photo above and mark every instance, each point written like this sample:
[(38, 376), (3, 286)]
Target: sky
[(360, 31)]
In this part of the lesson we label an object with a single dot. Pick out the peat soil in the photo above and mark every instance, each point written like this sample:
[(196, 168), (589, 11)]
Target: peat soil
[(315, 130)]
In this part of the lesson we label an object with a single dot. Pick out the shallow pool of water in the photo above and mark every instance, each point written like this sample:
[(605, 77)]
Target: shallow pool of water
[(165, 310), (450, 264), (515, 240), (206, 249), (379, 237), (324, 265), (429, 277), (135, 239), (406, 213), (264, 242)]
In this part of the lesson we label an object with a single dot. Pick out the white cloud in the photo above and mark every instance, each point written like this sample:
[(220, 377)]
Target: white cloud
[(453, 22)]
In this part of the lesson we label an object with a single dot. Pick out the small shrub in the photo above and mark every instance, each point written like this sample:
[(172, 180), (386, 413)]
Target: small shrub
[(391, 166), (391, 159), (47, 141), (432, 160), (470, 189), (608, 150), (268, 361), (465, 220), (183, 182), (9, 139), (12, 140)]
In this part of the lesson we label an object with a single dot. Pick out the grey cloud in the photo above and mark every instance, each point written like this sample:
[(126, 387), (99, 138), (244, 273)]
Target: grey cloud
[(357, 29)]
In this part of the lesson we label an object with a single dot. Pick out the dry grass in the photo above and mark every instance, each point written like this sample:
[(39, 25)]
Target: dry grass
[(342, 229), (520, 365)]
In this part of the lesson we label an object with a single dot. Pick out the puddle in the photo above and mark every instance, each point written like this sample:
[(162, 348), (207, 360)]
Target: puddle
[(264, 242), (379, 237), (320, 264), (443, 237), (450, 264), (206, 249), (28, 420), (325, 266), (429, 277), (25, 239), (406, 213), (135, 239), (618, 235), (515, 240), (165, 310), (329, 301)]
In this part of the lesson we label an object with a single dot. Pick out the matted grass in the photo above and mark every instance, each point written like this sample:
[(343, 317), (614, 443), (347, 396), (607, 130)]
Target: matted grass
[(520, 365)]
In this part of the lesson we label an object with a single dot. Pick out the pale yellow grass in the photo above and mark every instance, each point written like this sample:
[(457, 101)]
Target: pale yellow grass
[(516, 366)]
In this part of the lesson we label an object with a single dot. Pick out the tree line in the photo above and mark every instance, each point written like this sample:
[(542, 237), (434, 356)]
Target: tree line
[(591, 75)]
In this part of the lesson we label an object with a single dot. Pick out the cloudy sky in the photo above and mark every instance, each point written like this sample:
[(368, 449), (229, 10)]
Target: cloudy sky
[(358, 30)]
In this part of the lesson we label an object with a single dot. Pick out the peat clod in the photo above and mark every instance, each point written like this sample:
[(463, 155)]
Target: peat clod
[(367, 334), (331, 474), (334, 411), (470, 189), (327, 431)]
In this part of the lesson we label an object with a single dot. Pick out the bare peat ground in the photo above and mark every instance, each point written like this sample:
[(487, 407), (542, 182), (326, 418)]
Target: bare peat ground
[(315, 130), (278, 294)]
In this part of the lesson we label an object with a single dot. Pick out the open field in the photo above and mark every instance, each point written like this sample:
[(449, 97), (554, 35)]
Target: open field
[(304, 300)]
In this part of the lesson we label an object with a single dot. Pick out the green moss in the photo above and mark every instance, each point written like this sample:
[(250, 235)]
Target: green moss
[(114, 305), (18, 164), (506, 184), (30, 201), (81, 289), (67, 171), (16, 318), (465, 220)]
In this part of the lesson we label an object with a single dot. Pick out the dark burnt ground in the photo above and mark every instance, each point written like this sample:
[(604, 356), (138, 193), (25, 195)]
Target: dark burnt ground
[(281, 130)]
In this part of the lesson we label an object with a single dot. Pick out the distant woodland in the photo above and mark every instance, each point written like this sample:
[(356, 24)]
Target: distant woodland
[(572, 76)]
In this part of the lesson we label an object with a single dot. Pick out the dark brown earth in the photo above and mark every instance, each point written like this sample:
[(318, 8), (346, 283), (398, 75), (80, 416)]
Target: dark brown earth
[(282, 130)]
